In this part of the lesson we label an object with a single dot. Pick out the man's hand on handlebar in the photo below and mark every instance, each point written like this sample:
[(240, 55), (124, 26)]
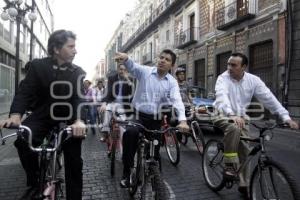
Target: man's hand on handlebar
[(14, 119), (79, 129), (183, 127), (292, 124)]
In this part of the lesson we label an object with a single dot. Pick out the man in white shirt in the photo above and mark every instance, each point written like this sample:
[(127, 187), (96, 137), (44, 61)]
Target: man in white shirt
[(234, 91), (155, 88)]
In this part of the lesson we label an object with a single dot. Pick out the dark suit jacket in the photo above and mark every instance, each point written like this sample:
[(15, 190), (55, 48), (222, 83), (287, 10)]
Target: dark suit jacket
[(39, 91), (113, 88)]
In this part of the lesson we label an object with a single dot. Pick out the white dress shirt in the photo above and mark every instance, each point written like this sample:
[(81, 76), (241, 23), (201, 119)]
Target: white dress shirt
[(233, 97), (153, 91)]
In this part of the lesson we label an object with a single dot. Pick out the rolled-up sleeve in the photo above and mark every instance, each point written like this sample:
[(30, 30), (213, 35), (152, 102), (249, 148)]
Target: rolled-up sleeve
[(222, 102)]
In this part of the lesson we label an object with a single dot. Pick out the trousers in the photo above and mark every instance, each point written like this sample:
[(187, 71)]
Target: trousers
[(233, 144)]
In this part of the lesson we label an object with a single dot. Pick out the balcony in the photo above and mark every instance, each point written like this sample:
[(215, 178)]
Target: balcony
[(147, 59), (234, 13), (187, 37), (158, 15)]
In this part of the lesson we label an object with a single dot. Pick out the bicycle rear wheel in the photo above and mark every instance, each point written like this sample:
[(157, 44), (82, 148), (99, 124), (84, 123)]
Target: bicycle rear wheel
[(112, 158), (271, 181), (113, 155), (198, 137), (212, 165), (172, 147)]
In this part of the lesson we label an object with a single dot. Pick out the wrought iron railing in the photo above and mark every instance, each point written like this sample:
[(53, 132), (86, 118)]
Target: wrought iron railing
[(153, 16), (191, 35)]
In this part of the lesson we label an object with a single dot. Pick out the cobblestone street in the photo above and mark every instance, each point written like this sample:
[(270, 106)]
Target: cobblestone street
[(184, 182)]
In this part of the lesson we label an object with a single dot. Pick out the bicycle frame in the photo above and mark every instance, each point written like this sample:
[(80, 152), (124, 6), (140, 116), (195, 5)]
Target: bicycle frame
[(46, 153), (146, 161), (260, 147)]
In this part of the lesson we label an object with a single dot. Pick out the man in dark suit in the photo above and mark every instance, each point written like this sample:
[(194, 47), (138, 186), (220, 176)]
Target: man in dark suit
[(50, 84), (118, 96)]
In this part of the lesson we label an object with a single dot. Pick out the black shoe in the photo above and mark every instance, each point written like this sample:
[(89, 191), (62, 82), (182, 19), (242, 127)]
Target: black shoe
[(102, 139), (29, 193), (104, 136), (230, 173), (243, 190), (109, 154), (125, 183)]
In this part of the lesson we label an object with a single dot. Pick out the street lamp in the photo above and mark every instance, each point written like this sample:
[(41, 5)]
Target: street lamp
[(15, 10)]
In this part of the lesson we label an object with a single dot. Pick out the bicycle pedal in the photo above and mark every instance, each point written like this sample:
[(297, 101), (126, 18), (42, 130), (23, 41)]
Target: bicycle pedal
[(60, 180), (229, 184)]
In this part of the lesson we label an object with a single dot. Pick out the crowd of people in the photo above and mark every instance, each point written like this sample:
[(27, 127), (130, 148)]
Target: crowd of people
[(134, 88)]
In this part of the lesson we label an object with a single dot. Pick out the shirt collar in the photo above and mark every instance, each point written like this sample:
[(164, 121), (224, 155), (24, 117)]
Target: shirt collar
[(154, 71), (240, 81)]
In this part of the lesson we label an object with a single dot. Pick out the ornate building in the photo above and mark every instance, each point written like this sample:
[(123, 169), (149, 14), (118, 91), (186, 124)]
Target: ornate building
[(204, 33)]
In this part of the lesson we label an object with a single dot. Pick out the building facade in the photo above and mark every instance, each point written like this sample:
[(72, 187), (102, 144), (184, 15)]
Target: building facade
[(204, 33), (33, 44), (100, 70)]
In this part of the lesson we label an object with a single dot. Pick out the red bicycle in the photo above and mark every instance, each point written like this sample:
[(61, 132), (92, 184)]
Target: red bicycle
[(114, 142)]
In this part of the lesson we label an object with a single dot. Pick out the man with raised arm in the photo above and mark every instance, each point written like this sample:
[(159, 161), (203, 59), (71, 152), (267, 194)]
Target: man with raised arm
[(155, 88)]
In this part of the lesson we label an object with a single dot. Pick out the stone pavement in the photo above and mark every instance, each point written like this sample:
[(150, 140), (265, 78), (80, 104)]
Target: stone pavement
[(184, 182)]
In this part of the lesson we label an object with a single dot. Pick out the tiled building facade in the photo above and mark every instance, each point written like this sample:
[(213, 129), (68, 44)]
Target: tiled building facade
[(204, 33)]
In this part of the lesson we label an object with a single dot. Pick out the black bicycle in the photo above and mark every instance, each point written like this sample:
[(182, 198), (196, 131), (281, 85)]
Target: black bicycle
[(145, 175), (50, 160), (195, 132), (269, 180)]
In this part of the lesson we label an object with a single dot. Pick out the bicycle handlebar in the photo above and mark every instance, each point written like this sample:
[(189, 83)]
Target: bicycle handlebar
[(22, 129), (270, 126), (135, 124)]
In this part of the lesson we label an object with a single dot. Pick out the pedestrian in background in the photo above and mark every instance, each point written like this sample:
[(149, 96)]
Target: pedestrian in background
[(90, 106), (118, 97)]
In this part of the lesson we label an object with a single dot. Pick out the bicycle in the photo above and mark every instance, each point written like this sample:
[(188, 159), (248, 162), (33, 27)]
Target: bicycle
[(50, 160), (269, 180), (170, 141), (196, 133), (146, 167), (113, 141)]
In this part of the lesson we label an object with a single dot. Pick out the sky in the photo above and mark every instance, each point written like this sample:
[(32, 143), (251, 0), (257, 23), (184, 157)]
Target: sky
[(94, 22)]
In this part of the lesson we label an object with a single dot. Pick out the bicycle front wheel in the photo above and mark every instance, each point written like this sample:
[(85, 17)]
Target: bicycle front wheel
[(271, 181), (198, 137), (137, 172), (154, 187), (212, 165), (172, 147)]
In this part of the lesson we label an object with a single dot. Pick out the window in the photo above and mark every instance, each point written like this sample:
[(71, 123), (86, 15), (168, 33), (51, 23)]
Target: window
[(168, 35)]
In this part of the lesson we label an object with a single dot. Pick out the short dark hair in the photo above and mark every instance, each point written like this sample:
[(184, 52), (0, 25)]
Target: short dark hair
[(173, 55), (57, 40), (243, 56)]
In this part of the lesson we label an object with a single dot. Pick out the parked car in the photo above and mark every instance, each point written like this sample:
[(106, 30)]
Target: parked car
[(203, 104)]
